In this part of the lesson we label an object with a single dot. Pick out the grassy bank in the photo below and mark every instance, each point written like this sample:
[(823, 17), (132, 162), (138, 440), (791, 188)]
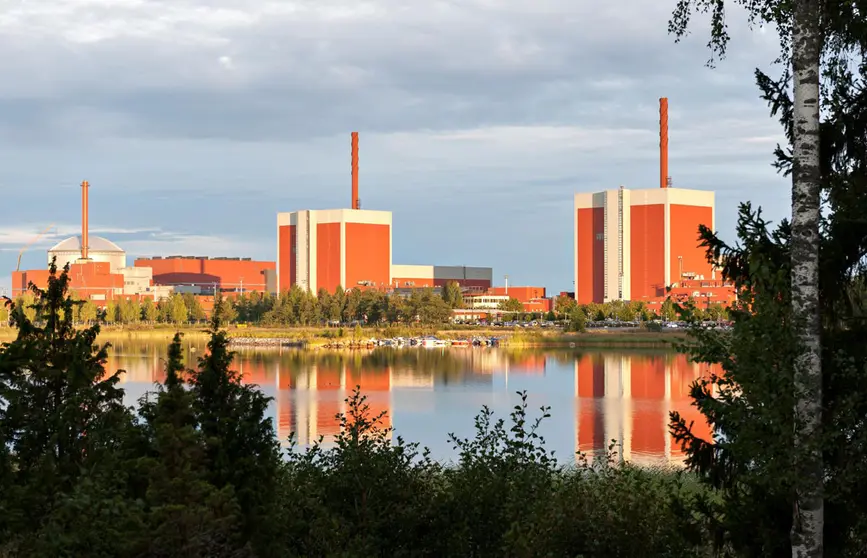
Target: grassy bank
[(319, 336), (597, 339)]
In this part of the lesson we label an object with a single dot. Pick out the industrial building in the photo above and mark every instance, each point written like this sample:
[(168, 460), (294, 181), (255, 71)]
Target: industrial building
[(97, 267), (352, 248), (201, 274), (634, 244), (325, 249), (471, 278)]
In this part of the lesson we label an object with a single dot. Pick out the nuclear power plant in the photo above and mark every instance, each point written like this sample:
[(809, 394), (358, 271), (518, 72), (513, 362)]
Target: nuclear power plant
[(637, 245)]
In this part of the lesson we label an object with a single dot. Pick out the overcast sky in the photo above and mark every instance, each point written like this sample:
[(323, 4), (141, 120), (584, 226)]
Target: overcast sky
[(196, 122)]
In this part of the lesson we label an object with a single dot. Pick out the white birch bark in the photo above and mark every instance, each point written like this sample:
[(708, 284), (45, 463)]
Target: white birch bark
[(808, 526)]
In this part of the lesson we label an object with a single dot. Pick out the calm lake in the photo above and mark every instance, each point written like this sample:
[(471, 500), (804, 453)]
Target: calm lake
[(595, 396)]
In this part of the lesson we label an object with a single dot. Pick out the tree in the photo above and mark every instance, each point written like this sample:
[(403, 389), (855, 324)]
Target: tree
[(194, 307), (149, 312), (808, 28), (227, 309), (240, 444), (577, 320), (452, 295), (61, 425), (87, 312), (177, 310), (110, 313), (563, 305), (26, 303), (186, 514), (129, 311), (756, 394), (511, 305)]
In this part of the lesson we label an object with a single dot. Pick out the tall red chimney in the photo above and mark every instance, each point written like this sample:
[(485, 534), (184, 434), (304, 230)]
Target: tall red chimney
[(355, 200), (663, 142), (84, 187)]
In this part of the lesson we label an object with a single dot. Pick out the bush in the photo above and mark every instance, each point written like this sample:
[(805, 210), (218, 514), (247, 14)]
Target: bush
[(505, 496)]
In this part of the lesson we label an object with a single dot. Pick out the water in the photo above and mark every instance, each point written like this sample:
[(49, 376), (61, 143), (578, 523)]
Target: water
[(595, 396)]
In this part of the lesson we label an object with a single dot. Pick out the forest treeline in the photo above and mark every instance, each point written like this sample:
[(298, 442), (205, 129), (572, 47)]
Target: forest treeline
[(195, 470), (298, 307)]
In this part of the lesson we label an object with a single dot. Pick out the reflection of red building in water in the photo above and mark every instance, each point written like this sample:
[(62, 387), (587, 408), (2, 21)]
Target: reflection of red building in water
[(319, 392), (628, 397)]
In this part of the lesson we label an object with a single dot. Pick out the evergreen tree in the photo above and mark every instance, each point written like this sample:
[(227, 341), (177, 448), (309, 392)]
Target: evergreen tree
[(63, 427), (241, 448), (187, 516)]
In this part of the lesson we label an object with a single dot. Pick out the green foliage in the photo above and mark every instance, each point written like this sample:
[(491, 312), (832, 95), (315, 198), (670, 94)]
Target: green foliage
[(563, 305), (753, 459), (186, 514), (577, 319), (149, 312), (128, 311), (200, 474), (511, 305), (177, 309), (452, 295), (505, 496), (194, 307), (240, 445), (110, 313), (61, 424)]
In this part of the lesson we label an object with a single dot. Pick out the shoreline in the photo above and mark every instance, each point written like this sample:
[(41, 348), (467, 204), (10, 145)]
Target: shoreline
[(319, 338)]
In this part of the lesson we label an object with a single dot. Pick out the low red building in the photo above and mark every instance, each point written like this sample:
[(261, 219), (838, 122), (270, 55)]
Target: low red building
[(233, 274), (89, 280)]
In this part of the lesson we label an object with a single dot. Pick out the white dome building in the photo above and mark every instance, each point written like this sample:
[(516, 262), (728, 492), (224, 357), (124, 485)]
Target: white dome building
[(99, 250)]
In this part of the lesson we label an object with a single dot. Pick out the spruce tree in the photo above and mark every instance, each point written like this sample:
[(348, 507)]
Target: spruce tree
[(187, 516), (63, 430), (241, 447)]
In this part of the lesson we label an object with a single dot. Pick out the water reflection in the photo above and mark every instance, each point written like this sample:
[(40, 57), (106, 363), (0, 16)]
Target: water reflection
[(428, 393), (628, 397)]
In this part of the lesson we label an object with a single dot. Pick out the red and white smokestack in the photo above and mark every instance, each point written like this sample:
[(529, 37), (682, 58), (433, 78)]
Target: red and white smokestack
[(663, 142), (84, 241), (355, 201)]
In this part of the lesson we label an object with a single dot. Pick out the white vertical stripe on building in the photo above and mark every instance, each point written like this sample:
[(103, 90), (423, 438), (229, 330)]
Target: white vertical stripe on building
[(627, 243), (343, 254), (312, 235), (605, 251), (301, 256), (667, 238), (575, 253)]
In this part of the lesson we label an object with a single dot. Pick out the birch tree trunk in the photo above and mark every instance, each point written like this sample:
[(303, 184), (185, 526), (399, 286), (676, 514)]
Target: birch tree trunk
[(808, 525)]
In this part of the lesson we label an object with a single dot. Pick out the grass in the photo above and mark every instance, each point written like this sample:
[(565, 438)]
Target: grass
[(319, 336)]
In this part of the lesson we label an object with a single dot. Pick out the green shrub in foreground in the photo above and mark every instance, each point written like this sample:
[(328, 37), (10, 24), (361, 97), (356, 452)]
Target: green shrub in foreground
[(505, 496)]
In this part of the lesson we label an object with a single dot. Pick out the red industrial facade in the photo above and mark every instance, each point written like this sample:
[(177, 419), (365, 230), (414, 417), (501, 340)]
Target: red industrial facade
[(226, 273), (635, 244), (324, 249), (92, 280)]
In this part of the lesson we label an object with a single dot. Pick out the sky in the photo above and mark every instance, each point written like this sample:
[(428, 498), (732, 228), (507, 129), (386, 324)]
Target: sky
[(197, 122)]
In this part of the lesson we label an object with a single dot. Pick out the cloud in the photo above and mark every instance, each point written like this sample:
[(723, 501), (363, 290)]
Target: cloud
[(210, 118), (302, 69), (15, 238)]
